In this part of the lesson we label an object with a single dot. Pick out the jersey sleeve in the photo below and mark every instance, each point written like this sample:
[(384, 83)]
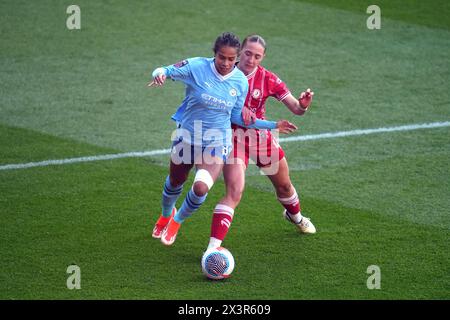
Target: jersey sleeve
[(277, 88), (236, 114), (181, 70), (259, 124)]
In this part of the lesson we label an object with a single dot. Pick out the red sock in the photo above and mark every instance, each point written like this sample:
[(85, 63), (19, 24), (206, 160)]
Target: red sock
[(292, 204), (221, 221)]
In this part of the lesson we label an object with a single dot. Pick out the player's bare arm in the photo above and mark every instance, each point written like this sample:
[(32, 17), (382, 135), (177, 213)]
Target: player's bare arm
[(299, 106)]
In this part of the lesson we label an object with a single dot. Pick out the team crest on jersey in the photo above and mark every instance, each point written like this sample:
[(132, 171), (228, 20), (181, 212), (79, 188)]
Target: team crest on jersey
[(256, 93), (233, 92), (181, 63)]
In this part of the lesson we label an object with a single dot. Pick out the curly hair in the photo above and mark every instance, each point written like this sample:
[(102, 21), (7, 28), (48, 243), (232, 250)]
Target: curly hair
[(227, 39)]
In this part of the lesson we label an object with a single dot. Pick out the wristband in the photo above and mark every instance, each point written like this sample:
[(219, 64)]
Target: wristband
[(158, 71)]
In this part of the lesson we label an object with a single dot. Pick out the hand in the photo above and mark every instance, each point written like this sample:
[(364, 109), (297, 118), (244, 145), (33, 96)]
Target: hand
[(306, 99), (248, 116), (285, 126), (158, 79)]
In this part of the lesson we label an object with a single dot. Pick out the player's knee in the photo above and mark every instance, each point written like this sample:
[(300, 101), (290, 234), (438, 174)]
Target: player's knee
[(234, 193), (203, 182), (285, 189), (200, 188)]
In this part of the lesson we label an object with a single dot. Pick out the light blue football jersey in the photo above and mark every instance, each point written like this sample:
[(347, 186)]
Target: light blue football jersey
[(211, 103)]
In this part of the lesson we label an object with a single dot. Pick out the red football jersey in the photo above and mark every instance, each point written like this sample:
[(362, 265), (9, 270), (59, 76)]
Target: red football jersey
[(253, 143), (263, 84)]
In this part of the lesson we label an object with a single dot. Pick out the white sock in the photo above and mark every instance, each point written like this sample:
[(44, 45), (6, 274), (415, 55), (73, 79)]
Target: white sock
[(214, 243), (295, 217)]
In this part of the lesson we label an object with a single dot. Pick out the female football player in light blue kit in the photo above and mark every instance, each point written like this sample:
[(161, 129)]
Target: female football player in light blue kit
[(215, 93)]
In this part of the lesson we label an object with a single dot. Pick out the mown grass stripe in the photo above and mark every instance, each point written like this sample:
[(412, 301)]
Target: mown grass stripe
[(328, 135)]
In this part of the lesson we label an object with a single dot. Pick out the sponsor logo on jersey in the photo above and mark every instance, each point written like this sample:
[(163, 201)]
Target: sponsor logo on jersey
[(216, 102), (181, 63), (256, 93)]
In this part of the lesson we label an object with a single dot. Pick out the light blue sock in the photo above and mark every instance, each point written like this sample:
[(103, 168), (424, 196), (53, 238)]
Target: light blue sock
[(190, 204), (169, 197)]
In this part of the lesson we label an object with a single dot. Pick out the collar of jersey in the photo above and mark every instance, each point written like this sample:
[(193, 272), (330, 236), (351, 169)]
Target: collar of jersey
[(251, 74), (218, 75)]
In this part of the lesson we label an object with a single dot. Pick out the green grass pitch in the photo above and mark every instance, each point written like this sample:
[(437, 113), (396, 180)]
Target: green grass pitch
[(380, 199)]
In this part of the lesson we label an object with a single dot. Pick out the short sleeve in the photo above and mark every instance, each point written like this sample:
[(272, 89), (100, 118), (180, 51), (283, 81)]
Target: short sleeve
[(277, 88)]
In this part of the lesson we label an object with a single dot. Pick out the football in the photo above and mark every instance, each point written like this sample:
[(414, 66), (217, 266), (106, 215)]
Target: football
[(217, 263)]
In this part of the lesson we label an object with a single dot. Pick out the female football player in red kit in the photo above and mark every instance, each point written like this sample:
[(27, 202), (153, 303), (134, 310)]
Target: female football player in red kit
[(259, 145)]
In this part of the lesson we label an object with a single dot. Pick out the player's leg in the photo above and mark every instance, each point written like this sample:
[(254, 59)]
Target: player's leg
[(206, 174), (173, 186), (286, 193), (234, 177), (204, 179), (180, 165), (288, 197), (278, 173)]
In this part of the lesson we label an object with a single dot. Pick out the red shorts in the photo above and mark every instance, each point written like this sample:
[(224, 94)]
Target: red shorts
[(259, 145)]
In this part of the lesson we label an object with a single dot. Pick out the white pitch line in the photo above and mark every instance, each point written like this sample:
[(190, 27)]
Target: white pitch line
[(328, 135), (84, 159), (360, 132)]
